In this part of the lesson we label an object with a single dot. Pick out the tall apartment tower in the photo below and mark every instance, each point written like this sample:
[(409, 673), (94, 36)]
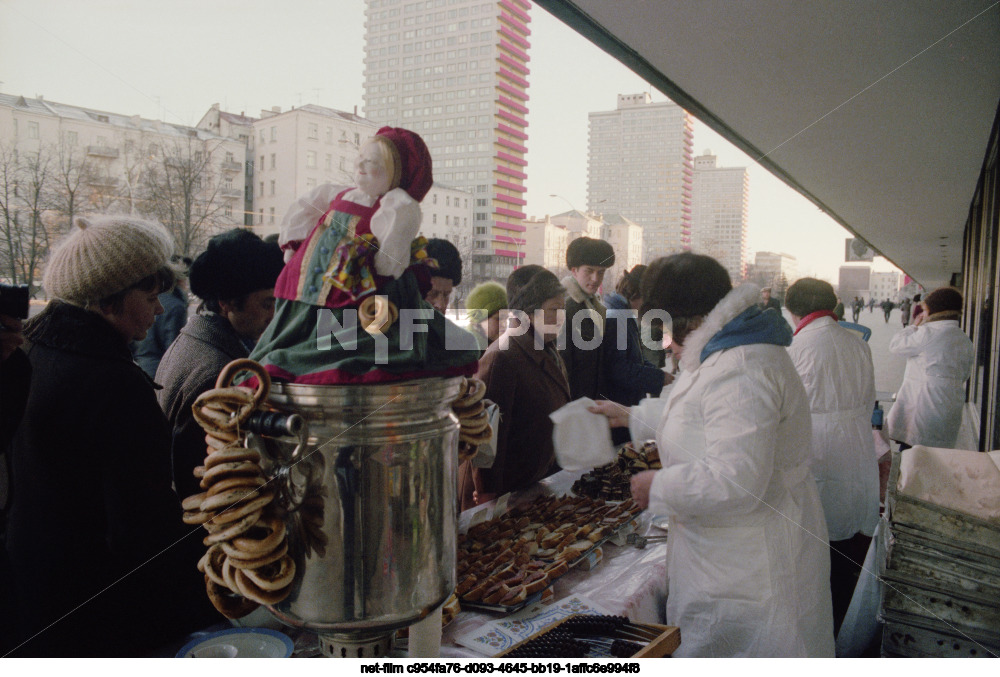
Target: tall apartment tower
[(456, 72), (640, 165), (720, 215)]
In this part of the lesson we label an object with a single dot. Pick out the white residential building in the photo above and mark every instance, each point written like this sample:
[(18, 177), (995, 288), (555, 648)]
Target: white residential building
[(625, 237), (639, 164), (190, 179), (886, 285), (770, 267), (298, 150), (446, 213), (720, 214), (545, 244), (239, 127)]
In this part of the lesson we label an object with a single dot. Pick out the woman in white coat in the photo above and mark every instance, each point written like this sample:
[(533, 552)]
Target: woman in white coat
[(928, 407), (747, 554), (839, 378)]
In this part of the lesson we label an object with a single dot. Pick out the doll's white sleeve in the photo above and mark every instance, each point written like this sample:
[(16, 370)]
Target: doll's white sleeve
[(302, 216), (395, 224)]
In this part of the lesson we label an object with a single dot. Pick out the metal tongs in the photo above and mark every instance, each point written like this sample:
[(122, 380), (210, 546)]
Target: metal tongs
[(640, 542)]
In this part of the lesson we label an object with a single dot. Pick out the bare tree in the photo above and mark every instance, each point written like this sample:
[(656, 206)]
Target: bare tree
[(27, 184), (69, 186), (181, 189)]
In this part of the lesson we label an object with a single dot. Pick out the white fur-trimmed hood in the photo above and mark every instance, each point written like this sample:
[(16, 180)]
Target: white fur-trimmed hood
[(731, 305)]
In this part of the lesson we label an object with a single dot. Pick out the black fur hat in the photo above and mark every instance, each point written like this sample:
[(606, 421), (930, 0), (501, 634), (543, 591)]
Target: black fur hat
[(448, 260), (586, 251), (236, 263)]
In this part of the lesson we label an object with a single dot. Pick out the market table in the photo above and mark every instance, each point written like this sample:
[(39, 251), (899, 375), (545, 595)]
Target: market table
[(627, 582)]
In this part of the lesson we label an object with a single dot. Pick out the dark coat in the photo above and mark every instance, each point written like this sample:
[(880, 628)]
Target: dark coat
[(584, 366), (629, 377), (206, 344), (149, 351), (92, 503), (527, 384)]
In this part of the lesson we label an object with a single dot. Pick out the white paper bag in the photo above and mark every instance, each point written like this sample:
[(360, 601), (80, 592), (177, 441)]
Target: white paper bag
[(582, 440)]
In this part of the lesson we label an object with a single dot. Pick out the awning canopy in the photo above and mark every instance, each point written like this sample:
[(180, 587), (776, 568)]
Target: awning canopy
[(878, 112)]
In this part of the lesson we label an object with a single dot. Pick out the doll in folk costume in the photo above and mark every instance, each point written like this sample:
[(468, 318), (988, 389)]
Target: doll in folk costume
[(350, 305)]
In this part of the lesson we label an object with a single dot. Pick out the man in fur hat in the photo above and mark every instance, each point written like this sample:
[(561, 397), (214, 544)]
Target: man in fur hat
[(235, 279), (587, 259)]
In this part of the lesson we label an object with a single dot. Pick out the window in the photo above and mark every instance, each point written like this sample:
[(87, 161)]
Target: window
[(311, 159), (262, 162), (313, 130), (271, 216), (229, 156), (273, 161), (272, 186), (434, 218), (228, 211), (329, 162), (71, 138), (261, 221), (262, 136), (261, 188), (274, 133)]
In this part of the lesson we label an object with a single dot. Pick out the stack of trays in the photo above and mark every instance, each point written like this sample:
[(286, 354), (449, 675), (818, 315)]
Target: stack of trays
[(941, 576)]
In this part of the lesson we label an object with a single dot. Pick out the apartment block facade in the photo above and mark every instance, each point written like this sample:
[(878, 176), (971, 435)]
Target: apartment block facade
[(640, 165), (190, 179), (720, 214), (456, 72)]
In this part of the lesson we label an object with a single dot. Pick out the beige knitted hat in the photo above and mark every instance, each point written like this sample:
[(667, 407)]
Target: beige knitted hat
[(104, 255)]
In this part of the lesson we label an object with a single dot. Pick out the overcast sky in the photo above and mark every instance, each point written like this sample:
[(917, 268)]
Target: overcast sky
[(172, 59)]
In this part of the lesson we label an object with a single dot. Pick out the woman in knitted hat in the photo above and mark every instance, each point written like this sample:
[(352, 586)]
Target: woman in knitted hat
[(484, 305), (939, 357), (92, 501), (525, 377), (747, 551), (356, 279)]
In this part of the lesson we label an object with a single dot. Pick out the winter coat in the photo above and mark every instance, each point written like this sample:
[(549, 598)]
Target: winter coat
[(747, 553), (206, 344), (839, 378), (92, 501), (582, 352), (150, 350), (928, 407), (628, 376), (527, 384)]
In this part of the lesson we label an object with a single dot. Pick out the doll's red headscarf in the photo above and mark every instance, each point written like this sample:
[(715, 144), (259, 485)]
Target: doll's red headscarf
[(415, 175)]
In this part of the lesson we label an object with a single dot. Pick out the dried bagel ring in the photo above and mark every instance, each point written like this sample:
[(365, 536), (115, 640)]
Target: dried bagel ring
[(473, 426), (235, 367), (231, 455), (224, 470), (469, 412), (228, 604), (232, 530), (228, 498), (195, 517), (262, 539), (236, 558), (477, 438), (211, 564), (193, 502), (254, 592), (376, 314), (230, 515), (273, 576), (475, 391), (238, 481)]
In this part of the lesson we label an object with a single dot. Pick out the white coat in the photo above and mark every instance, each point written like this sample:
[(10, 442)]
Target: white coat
[(837, 372), (928, 407), (747, 552)]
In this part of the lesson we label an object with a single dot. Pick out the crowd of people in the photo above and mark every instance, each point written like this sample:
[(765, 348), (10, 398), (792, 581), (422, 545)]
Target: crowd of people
[(769, 472)]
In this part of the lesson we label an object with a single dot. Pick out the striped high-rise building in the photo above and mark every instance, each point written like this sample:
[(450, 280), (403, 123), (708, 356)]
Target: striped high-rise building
[(456, 72), (640, 165)]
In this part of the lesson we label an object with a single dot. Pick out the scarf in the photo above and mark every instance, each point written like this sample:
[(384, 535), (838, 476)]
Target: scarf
[(751, 326), (813, 316)]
